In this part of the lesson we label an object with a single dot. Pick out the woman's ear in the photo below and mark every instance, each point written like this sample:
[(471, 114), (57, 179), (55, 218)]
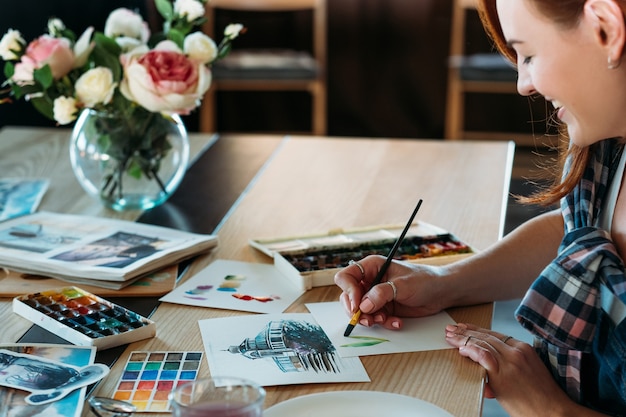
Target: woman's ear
[(607, 20)]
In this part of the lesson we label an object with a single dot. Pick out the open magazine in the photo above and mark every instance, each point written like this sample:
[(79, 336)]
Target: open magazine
[(108, 253)]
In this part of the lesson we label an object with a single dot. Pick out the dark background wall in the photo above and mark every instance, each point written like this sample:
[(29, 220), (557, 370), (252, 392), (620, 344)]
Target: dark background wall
[(386, 67)]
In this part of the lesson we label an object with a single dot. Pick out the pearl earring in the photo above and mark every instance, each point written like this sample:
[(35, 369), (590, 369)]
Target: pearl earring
[(613, 64)]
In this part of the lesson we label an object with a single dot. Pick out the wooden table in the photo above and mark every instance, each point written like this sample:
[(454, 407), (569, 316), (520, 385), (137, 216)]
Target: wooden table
[(313, 184)]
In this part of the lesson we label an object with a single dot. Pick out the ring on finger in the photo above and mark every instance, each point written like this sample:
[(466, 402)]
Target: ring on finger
[(395, 290), (351, 262), (467, 340), (506, 339)]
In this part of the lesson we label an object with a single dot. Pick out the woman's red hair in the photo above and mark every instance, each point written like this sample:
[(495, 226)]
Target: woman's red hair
[(565, 13)]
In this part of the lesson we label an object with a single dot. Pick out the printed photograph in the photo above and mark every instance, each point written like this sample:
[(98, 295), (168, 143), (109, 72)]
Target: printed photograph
[(37, 237), (13, 401), (116, 251), (20, 196)]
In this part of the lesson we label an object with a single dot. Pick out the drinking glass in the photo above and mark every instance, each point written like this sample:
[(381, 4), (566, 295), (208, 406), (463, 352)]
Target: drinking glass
[(219, 396)]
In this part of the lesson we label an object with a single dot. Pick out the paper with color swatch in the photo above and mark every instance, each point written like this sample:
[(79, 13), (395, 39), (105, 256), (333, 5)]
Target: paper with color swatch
[(149, 377), (417, 334), (236, 285)]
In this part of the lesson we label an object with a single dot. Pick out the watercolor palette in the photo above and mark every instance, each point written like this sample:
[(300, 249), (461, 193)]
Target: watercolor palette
[(316, 258), (83, 318), (149, 377)]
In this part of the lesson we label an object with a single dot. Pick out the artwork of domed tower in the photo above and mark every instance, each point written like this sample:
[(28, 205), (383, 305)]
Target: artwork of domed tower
[(295, 346)]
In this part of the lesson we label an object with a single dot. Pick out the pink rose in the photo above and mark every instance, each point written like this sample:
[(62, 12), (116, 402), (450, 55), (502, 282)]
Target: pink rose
[(56, 52), (164, 79)]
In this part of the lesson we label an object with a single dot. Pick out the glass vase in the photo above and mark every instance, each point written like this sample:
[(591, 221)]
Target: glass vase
[(133, 161)]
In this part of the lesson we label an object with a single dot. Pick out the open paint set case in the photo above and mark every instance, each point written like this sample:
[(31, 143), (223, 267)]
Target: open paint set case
[(313, 260), (83, 318)]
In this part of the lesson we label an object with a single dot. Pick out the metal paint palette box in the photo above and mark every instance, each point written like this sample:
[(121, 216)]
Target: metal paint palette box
[(83, 318), (314, 259)]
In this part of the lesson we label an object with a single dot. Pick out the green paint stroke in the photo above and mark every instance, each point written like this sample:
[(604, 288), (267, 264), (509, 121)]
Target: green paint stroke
[(365, 341)]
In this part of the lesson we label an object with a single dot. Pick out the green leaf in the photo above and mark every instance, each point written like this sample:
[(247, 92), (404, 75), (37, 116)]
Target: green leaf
[(43, 106), (362, 344), (183, 26), (224, 50), (155, 39), (106, 43), (9, 70), (27, 89), (369, 338), (177, 37), (69, 34), (104, 140), (134, 170), (17, 91), (103, 57), (43, 76), (165, 9), (366, 341)]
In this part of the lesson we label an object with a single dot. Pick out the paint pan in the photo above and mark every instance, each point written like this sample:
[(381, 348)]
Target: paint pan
[(149, 377), (83, 318)]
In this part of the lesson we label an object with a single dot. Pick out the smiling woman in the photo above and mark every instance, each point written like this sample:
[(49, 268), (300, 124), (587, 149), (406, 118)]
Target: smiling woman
[(548, 62), (572, 271)]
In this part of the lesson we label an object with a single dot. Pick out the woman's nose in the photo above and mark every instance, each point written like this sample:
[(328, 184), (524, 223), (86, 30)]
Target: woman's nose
[(525, 85)]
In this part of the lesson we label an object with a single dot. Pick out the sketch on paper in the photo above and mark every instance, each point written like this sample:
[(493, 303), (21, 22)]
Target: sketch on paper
[(294, 346), (276, 349), (362, 341), (417, 334)]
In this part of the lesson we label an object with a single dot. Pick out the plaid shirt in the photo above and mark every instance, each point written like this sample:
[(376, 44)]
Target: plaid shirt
[(563, 309)]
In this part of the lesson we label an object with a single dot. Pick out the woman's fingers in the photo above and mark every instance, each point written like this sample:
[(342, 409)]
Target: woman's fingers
[(460, 335)]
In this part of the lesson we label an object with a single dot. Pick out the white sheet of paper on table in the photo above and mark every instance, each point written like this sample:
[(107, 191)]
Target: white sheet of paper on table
[(219, 284), (226, 338), (417, 334)]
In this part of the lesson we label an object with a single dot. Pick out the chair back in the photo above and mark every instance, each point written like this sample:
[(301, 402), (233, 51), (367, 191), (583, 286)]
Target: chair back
[(269, 69)]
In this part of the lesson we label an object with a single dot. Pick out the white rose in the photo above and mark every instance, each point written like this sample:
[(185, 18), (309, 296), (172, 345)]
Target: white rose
[(200, 47), (55, 26), (192, 9), (125, 22), (83, 47), (65, 110), (232, 31), (95, 86), (11, 42), (127, 44)]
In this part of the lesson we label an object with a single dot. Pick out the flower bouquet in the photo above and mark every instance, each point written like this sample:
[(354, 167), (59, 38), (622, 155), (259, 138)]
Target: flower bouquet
[(125, 87)]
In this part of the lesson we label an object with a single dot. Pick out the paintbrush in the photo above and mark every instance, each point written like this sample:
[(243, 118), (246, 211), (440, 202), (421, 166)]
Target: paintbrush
[(383, 269)]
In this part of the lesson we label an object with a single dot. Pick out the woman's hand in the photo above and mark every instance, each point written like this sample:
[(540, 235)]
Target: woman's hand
[(415, 291), (517, 377)]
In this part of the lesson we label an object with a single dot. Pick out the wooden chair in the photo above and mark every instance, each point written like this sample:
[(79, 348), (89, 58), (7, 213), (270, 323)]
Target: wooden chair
[(477, 73), (267, 69)]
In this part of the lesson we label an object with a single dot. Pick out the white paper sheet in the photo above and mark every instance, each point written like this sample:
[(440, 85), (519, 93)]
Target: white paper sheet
[(276, 349), (235, 285), (424, 333)]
